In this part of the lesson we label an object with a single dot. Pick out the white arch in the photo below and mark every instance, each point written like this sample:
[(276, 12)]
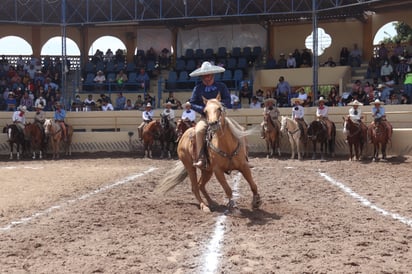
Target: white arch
[(386, 31), (54, 47), (15, 45), (107, 42)]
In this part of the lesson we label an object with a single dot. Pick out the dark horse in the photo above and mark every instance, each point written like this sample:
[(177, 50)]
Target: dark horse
[(36, 136), (318, 133), (151, 132), (355, 137), (168, 137), (181, 127), (379, 138), (227, 151), (15, 137)]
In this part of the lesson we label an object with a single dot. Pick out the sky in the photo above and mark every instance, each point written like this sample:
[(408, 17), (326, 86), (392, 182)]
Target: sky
[(13, 45)]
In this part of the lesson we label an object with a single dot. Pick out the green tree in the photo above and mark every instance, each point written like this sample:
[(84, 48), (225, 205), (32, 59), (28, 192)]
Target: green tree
[(404, 32)]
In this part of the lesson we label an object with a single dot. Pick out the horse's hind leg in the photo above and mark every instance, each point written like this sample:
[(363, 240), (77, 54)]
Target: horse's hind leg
[(384, 151), (201, 185)]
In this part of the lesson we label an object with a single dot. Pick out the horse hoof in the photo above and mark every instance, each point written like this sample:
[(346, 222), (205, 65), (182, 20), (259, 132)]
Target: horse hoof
[(257, 202), (205, 208)]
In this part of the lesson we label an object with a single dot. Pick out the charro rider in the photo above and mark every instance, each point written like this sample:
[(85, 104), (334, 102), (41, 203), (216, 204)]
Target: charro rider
[(378, 113), (355, 114), (272, 111), (59, 116), (170, 113), (208, 89), (322, 115), (298, 114), (40, 118), (147, 116), (188, 115), (19, 118)]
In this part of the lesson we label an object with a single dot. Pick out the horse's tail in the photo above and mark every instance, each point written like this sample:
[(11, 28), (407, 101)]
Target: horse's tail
[(240, 131), (172, 178)]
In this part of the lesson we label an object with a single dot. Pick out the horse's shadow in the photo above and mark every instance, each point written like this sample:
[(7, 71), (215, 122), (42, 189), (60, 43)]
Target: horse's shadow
[(255, 216)]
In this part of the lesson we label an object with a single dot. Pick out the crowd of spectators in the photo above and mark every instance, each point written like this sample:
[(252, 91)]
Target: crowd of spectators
[(30, 82)]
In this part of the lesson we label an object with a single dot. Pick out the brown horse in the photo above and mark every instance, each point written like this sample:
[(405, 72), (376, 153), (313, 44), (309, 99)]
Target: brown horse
[(36, 137), (55, 135), (181, 127), (272, 136), (226, 147), (168, 137), (380, 139), (15, 137), (318, 133), (355, 139), (151, 132)]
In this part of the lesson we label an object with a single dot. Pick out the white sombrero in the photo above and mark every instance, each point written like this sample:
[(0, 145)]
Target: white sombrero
[(270, 100), (295, 100), (377, 101), (149, 105), (355, 103), (205, 69), (168, 103), (23, 108), (40, 106), (187, 104), (322, 99)]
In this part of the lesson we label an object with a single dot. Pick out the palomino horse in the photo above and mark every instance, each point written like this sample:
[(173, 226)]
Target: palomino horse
[(380, 139), (355, 139), (226, 148), (55, 134), (318, 133), (36, 137), (15, 137), (294, 133), (151, 132), (181, 127), (272, 136), (167, 137)]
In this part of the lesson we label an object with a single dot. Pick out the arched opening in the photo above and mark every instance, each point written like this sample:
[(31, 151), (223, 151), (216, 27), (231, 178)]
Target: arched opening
[(385, 33), (15, 45), (53, 47), (105, 43)]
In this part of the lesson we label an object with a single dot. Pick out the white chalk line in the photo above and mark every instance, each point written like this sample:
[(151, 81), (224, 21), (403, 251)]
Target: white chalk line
[(72, 201), (213, 254), (366, 202)]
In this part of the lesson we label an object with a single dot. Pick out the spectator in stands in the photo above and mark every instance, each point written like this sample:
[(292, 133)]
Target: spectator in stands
[(89, 102), (255, 103), (11, 102), (40, 101), (404, 99), (330, 63), (370, 92), (148, 99), (397, 53), (373, 70), (151, 54), (301, 94), (306, 58), (408, 83), (120, 101), (48, 82), (282, 61), (298, 58), (171, 98), (333, 97), (164, 59), (291, 61), (270, 62), (260, 96), (106, 105), (77, 103), (128, 105), (121, 79), (392, 100), (108, 56), (383, 53), (104, 97), (401, 69), (384, 92), (245, 91), (233, 97), (143, 79), (283, 91), (355, 56), (139, 102), (26, 101), (344, 56), (386, 70), (100, 80), (305, 64), (119, 56)]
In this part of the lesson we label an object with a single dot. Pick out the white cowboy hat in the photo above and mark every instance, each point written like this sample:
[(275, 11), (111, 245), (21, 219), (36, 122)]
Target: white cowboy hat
[(295, 100), (355, 103), (322, 99), (187, 104), (270, 100), (149, 105), (381, 86), (377, 101), (40, 106), (205, 69), (168, 103), (23, 108)]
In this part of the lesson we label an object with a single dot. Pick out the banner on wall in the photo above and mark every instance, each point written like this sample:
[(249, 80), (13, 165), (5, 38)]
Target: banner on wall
[(245, 35)]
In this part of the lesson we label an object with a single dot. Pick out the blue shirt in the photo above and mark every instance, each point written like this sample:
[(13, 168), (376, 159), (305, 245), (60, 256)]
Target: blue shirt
[(379, 114), (60, 115), (209, 92)]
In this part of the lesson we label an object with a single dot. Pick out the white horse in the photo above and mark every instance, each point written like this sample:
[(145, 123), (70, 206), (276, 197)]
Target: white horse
[(292, 128)]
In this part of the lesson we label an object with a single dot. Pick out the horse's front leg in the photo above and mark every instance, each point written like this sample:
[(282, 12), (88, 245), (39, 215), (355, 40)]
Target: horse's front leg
[(220, 176), (292, 146), (247, 174), (314, 150), (383, 151)]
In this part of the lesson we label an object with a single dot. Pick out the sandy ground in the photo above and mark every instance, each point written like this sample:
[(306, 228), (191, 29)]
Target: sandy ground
[(100, 214)]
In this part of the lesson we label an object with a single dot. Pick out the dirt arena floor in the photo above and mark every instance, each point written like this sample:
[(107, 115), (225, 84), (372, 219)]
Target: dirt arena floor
[(100, 214)]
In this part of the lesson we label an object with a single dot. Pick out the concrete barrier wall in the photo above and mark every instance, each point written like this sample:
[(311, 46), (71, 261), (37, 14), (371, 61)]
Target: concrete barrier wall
[(109, 131)]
